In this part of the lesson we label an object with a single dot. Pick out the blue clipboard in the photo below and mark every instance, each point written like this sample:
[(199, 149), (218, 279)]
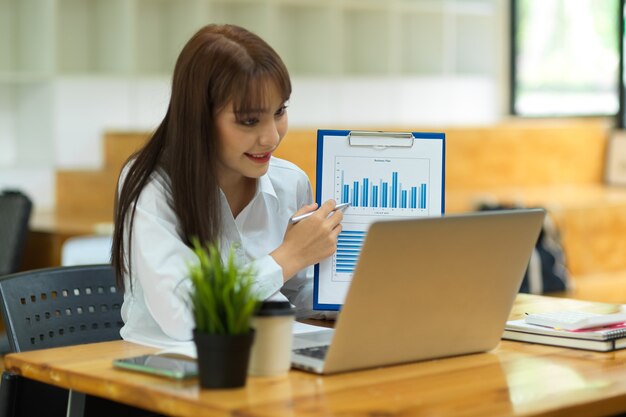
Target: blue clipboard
[(382, 197)]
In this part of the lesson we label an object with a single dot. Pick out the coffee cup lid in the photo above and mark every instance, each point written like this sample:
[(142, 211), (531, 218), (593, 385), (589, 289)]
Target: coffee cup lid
[(275, 308)]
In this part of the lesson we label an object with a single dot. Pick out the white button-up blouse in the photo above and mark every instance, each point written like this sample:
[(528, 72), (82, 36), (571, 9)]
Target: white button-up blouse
[(154, 310)]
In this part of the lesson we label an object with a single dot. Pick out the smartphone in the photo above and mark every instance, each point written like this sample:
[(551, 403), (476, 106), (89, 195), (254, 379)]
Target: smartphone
[(159, 365)]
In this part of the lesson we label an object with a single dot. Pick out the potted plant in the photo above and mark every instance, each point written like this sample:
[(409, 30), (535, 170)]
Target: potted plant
[(222, 302)]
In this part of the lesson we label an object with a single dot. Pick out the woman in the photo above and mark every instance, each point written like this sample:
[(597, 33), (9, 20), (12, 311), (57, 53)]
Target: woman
[(208, 172)]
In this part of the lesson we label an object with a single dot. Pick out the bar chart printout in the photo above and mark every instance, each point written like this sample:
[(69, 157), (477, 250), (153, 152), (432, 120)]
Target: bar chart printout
[(349, 244), (396, 184)]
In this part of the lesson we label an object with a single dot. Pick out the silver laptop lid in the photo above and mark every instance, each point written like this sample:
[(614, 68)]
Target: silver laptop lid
[(433, 287)]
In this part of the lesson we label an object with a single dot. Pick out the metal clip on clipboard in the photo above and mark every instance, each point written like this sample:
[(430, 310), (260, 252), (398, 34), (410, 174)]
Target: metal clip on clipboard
[(380, 140)]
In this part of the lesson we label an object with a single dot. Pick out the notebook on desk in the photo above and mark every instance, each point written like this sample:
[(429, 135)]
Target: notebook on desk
[(426, 288), (604, 339)]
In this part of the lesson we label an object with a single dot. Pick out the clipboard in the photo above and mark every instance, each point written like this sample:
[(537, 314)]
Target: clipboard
[(384, 175)]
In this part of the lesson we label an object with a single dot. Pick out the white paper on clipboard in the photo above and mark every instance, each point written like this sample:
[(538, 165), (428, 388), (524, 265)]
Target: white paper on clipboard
[(385, 176)]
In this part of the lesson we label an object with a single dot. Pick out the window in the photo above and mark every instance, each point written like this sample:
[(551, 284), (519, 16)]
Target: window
[(565, 57)]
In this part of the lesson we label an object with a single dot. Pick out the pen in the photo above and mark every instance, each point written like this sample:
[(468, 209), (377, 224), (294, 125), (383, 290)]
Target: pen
[(296, 219)]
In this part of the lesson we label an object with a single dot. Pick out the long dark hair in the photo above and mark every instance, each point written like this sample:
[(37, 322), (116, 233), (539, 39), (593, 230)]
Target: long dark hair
[(220, 64)]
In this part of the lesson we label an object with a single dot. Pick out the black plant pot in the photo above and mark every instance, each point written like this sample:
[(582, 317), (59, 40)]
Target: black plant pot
[(223, 359)]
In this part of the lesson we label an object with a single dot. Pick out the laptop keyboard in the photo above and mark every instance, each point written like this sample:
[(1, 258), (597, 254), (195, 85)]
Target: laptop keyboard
[(317, 352)]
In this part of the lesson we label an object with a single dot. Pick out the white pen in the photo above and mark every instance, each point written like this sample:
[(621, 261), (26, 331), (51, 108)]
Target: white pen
[(296, 219)]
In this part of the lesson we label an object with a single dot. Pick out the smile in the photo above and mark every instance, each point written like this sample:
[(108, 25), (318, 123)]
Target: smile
[(259, 157)]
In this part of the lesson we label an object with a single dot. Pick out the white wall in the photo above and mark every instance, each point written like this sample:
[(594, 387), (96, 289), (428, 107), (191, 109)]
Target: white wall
[(384, 102), (37, 183), (86, 107), (58, 122), (8, 152)]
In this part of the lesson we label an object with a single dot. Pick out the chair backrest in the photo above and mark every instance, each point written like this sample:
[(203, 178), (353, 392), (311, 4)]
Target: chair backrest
[(61, 306), (15, 210)]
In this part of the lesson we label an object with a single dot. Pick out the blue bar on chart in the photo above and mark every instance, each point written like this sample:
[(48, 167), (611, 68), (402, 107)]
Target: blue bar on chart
[(365, 190), (374, 196), (383, 197), (349, 244), (385, 194), (394, 190)]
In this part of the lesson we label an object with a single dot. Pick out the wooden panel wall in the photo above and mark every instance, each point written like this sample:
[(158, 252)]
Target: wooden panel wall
[(555, 164)]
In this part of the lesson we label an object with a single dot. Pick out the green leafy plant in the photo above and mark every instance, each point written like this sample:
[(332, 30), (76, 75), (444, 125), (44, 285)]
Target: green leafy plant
[(222, 296)]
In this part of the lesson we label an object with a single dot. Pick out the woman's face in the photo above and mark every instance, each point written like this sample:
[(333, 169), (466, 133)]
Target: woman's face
[(246, 140)]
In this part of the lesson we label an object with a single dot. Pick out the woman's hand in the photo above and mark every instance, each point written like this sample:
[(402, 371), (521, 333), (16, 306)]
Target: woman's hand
[(310, 240)]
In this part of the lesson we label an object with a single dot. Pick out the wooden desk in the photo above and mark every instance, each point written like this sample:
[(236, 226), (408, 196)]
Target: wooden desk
[(513, 380)]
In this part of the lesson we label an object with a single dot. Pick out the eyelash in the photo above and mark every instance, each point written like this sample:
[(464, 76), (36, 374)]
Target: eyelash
[(249, 122), (252, 121), (281, 111)]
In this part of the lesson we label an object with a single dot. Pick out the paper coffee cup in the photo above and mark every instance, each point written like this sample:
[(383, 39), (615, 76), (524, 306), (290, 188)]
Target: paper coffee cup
[(271, 351)]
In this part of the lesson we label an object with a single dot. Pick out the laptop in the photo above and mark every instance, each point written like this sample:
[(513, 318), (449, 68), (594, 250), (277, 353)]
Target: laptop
[(426, 288)]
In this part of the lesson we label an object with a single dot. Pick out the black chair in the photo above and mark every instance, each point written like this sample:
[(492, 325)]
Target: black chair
[(56, 307), (15, 209), (61, 307)]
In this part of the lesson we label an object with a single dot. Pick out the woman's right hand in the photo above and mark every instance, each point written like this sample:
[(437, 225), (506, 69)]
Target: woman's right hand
[(310, 240)]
